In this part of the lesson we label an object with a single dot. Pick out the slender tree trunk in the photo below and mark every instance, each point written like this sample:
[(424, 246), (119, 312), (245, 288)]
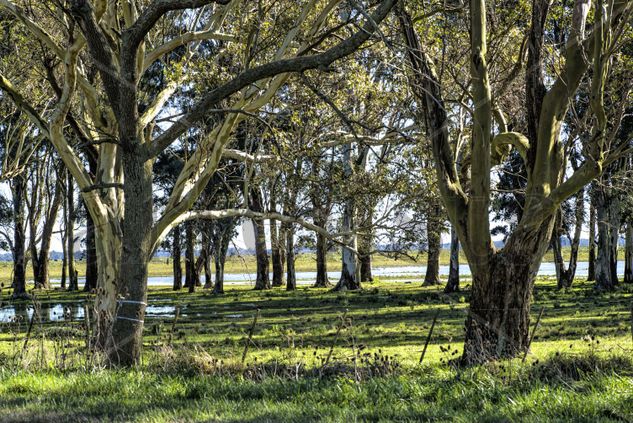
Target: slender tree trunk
[(275, 253), (322, 280), (221, 249), (453, 273), (127, 330), (591, 271), (291, 276), (434, 245), (176, 259), (365, 243), (73, 284), (206, 257), (350, 275), (92, 273), (614, 233), (628, 254), (19, 237), (190, 260), (41, 275), (263, 279)]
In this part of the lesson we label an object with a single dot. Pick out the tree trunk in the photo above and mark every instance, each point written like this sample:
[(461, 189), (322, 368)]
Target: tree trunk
[(19, 237), (365, 246), (91, 256), (614, 233), (453, 273), (322, 280), (263, 279), (73, 284), (350, 275), (221, 249), (604, 275), (41, 273), (176, 259), (434, 245), (127, 330), (190, 260), (206, 257), (275, 253), (498, 321), (628, 254), (291, 276), (591, 271)]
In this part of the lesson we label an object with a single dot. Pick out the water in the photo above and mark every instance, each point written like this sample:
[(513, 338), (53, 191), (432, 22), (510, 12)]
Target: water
[(67, 312), (402, 272)]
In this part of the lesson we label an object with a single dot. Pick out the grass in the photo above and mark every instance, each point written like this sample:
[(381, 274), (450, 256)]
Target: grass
[(579, 369)]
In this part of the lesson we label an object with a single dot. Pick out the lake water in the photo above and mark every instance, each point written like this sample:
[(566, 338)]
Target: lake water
[(402, 272)]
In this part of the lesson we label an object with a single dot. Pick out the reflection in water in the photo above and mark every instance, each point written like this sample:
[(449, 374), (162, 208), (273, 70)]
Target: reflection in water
[(66, 312)]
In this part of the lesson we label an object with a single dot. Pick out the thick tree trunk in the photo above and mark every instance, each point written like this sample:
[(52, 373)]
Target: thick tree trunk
[(291, 276), (453, 273), (591, 271), (19, 237), (263, 279), (604, 274), (176, 259), (73, 283), (628, 254), (365, 243), (498, 320), (434, 247), (127, 330), (322, 280)]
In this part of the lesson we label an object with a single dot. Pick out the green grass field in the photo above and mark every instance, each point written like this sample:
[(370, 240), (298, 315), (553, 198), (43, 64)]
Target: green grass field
[(580, 367)]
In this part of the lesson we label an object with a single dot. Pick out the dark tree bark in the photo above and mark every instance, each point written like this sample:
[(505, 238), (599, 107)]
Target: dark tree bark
[(125, 345), (91, 256), (453, 273), (221, 247), (191, 277), (291, 276), (434, 247), (322, 280), (566, 275), (18, 188), (41, 259), (628, 254), (176, 259), (605, 280), (73, 284), (276, 249), (591, 271), (365, 266), (206, 259), (263, 279)]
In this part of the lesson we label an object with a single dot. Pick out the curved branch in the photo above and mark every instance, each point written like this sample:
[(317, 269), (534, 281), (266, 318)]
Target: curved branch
[(248, 77), (502, 143)]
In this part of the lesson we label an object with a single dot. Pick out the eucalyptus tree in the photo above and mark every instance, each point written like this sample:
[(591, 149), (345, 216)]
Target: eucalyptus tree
[(498, 319), (122, 41)]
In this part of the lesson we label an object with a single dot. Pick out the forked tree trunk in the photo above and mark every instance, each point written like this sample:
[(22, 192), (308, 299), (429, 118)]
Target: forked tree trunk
[(499, 315), (176, 259), (628, 254), (291, 275), (591, 270), (127, 330), (565, 275), (19, 237), (43, 259), (434, 247), (322, 280), (452, 285)]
